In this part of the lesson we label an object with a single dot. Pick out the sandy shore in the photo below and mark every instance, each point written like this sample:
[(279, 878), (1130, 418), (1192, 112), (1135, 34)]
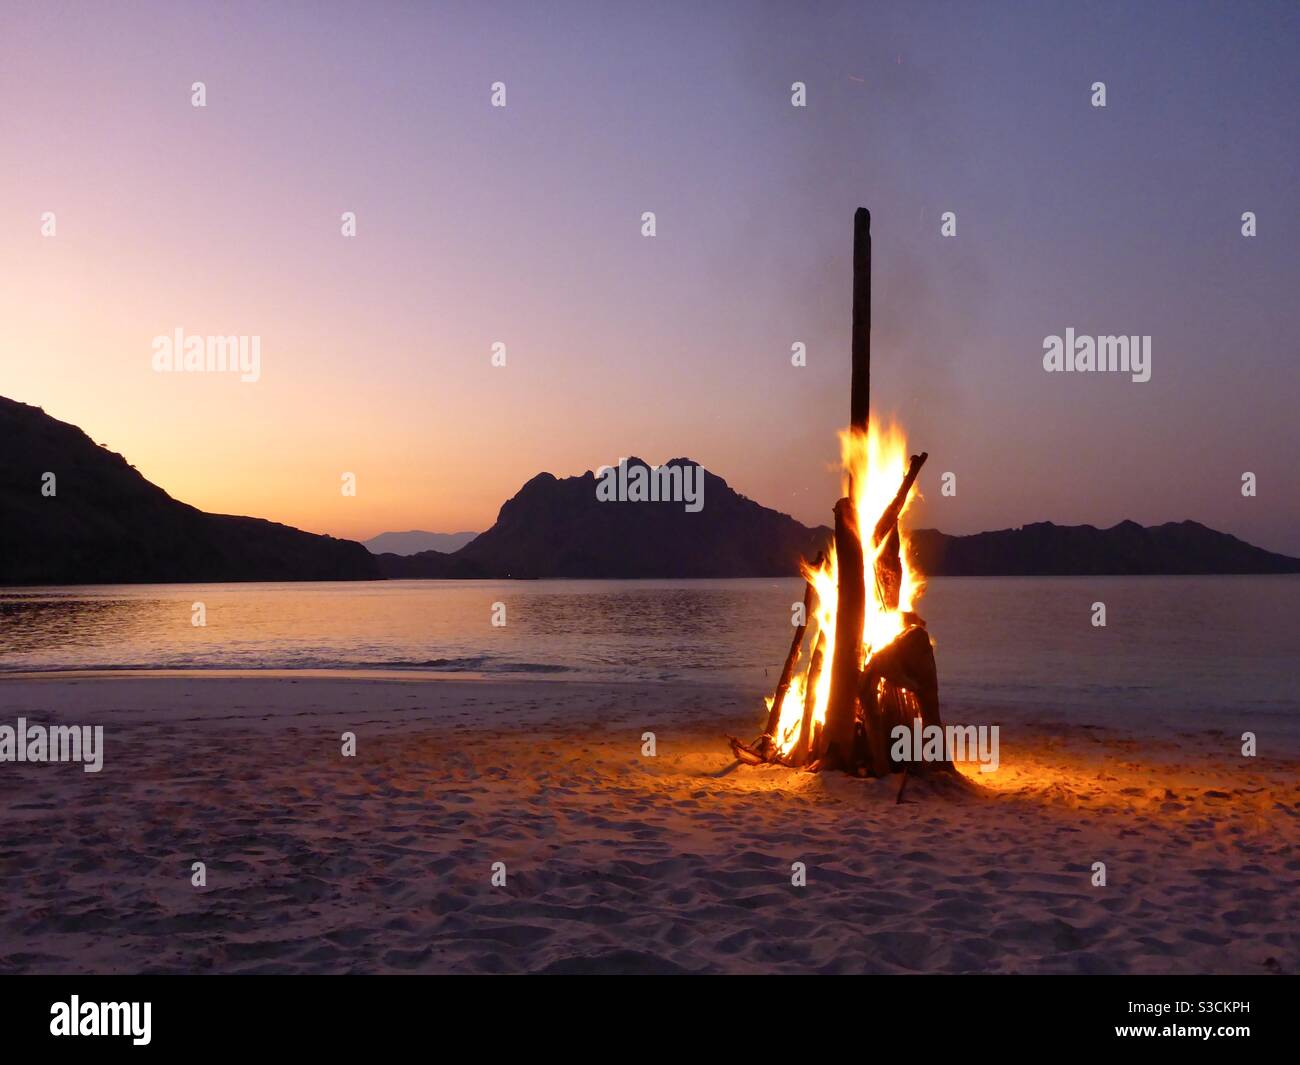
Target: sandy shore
[(615, 862)]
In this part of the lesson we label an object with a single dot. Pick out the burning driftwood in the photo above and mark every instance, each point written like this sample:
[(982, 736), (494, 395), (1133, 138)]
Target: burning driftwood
[(881, 663), (787, 673)]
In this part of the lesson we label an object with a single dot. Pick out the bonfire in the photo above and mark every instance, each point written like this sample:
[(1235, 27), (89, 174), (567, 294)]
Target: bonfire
[(868, 666)]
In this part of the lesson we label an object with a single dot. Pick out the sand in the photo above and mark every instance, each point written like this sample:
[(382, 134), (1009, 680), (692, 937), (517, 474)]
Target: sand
[(614, 862)]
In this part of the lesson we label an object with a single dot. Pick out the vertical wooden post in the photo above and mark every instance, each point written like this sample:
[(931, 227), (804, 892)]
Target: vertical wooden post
[(860, 387), (836, 746)]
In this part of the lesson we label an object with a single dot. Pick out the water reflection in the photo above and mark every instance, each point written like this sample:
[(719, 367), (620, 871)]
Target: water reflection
[(647, 630), (1184, 643)]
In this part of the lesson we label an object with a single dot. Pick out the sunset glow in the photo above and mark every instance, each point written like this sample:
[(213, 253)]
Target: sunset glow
[(521, 225)]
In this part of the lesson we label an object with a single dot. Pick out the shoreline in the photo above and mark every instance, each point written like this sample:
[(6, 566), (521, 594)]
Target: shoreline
[(1019, 713), (27, 589)]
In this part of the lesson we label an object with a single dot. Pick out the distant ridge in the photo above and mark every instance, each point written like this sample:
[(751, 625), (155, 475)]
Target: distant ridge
[(106, 524), (416, 540), (557, 528), (1046, 550)]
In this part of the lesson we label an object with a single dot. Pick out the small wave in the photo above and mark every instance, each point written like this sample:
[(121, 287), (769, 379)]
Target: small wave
[(455, 665), (480, 664), (446, 665)]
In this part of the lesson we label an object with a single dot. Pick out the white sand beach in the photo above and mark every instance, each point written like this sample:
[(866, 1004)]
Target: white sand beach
[(615, 862)]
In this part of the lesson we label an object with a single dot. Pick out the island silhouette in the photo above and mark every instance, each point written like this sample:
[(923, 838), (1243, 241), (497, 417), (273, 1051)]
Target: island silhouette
[(98, 520)]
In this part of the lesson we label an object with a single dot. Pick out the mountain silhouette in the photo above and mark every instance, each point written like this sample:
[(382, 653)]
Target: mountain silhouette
[(106, 524), (409, 543), (557, 527), (1046, 550)]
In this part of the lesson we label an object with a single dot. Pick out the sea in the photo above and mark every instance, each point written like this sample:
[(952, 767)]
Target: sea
[(1196, 652)]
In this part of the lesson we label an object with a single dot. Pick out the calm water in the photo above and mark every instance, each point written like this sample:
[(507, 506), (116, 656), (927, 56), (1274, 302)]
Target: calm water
[(1202, 648)]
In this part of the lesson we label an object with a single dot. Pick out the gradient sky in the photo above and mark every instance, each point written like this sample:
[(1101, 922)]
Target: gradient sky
[(522, 225)]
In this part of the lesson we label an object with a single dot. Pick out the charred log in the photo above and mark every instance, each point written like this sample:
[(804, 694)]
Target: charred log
[(906, 665), (803, 746), (885, 541), (770, 740), (836, 750)]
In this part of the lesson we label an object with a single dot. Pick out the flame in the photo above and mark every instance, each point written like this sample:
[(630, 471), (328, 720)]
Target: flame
[(874, 465)]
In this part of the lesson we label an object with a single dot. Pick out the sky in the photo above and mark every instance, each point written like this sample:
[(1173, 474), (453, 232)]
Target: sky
[(522, 225)]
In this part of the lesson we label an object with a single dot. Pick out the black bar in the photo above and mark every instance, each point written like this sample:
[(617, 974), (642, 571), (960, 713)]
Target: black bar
[(342, 1014)]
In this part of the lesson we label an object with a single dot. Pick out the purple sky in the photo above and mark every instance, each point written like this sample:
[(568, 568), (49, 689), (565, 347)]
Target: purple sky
[(523, 225)]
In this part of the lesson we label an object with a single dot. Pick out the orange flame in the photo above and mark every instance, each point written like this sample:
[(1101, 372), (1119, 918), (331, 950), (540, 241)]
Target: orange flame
[(874, 466)]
